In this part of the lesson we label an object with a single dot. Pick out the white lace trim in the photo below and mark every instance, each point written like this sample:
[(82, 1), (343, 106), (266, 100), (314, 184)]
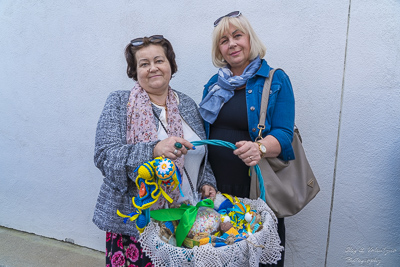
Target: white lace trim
[(261, 247)]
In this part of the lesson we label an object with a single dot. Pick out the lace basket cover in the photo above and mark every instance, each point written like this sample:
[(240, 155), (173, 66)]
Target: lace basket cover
[(263, 246)]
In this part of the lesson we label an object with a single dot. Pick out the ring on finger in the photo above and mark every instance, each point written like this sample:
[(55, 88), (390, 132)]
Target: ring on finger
[(251, 158), (178, 145), (175, 152)]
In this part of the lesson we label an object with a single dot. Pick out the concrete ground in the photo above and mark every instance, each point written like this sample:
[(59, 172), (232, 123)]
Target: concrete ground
[(20, 249)]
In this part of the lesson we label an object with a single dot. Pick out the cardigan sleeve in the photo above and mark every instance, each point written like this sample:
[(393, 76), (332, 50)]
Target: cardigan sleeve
[(113, 156)]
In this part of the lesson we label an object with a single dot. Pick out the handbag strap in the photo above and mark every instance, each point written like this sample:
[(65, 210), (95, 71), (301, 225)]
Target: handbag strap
[(264, 103)]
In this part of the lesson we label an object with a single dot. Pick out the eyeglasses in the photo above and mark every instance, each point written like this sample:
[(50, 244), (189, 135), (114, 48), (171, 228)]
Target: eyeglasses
[(233, 14), (152, 39)]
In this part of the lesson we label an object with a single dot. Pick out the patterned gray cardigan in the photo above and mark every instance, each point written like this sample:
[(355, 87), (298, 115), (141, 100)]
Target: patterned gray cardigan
[(117, 160)]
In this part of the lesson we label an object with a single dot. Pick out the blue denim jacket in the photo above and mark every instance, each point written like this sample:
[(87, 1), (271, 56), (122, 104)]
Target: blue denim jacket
[(280, 112)]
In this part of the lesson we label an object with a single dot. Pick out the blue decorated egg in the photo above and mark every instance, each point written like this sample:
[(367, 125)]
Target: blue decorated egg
[(165, 169)]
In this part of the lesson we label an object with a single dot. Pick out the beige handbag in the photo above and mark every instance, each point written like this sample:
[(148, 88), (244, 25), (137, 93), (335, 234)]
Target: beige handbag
[(289, 185)]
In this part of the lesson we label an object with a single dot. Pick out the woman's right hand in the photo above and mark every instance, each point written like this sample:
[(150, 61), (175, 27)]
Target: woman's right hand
[(207, 191), (167, 148)]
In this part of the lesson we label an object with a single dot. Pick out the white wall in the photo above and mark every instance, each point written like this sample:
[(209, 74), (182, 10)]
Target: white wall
[(60, 59)]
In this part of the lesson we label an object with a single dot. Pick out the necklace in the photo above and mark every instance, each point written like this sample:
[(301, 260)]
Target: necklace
[(161, 105), (164, 106), (158, 104)]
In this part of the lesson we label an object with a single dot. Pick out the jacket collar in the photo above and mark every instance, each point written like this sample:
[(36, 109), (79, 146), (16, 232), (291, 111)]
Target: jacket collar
[(264, 69)]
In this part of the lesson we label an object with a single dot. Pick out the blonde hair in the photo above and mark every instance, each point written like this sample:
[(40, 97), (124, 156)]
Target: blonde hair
[(257, 48)]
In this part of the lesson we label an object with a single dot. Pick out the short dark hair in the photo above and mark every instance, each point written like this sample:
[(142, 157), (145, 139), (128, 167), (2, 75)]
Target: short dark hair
[(130, 55)]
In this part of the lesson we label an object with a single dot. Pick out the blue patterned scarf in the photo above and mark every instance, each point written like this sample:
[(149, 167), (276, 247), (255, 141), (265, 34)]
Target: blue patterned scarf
[(221, 91)]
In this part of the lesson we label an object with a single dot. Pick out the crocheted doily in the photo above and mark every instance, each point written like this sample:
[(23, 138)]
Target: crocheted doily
[(263, 246)]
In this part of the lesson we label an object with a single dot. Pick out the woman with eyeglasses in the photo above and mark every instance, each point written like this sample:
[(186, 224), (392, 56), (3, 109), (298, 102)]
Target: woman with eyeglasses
[(231, 108), (149, 121)]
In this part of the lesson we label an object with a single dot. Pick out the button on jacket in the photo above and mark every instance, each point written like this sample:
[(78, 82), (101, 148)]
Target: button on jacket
[(280, 112)]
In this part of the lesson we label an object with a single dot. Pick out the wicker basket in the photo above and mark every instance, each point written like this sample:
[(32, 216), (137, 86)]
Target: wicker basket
[(261, 247)]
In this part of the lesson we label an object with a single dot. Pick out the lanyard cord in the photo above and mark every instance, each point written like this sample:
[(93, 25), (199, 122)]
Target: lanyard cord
[(184, 169)]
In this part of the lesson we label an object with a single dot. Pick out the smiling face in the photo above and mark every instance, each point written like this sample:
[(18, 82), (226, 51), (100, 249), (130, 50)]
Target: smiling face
[(153, 70), (234, 46)]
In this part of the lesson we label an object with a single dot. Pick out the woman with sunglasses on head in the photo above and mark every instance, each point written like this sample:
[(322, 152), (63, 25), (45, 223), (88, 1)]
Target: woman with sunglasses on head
[(231, 108), (136, 126)]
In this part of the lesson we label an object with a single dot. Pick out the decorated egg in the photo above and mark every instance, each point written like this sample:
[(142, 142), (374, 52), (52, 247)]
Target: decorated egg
[(165, 169), (207, 221)]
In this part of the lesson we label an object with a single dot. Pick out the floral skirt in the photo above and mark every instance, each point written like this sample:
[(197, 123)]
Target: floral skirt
[(124, 251)]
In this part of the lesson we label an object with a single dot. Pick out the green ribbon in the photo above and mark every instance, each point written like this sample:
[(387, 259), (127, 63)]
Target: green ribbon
[(186, 214)]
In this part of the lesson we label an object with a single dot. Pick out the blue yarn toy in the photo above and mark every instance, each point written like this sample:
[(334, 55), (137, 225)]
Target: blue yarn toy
[(151, 175)]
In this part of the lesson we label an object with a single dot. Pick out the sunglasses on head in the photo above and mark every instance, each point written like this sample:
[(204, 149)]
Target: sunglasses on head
[(233, 14), (152, 39)]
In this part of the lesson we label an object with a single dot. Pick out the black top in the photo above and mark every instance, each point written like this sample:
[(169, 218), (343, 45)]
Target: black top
[(231, 173)]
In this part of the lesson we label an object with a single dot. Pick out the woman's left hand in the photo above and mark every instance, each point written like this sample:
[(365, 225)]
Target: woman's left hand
[(248, 152), (168, 148), (208, 191)]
